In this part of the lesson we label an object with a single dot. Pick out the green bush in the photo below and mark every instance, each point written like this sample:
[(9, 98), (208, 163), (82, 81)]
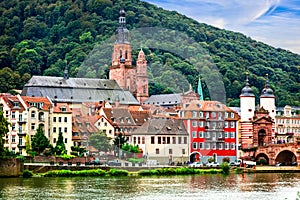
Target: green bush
[(225, 168), (69, 173), (66, 156), (177, 171), (136, 160), (27, 174), (118, 172)]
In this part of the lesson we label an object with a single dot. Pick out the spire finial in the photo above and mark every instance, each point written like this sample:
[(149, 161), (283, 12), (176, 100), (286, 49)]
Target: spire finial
[(66, 73)]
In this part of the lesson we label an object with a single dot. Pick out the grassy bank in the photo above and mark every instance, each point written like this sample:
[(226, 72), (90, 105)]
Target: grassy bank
[(119, 172)]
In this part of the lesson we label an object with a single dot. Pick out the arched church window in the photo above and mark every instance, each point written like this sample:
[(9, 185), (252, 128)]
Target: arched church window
[(126, 54)]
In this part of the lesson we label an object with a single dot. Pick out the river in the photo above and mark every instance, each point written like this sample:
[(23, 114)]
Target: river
[(215, 186)]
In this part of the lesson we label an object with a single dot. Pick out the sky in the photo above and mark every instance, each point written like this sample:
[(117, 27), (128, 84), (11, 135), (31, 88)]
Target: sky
[(273, 22)]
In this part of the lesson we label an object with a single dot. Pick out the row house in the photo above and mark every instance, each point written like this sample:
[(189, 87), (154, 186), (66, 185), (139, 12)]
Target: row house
[(163, 139), (25, 114), (61, 121), (124, 120), (213, 130), (287, 125)]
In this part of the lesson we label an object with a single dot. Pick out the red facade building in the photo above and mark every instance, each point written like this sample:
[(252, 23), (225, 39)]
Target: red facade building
[(213, 130)]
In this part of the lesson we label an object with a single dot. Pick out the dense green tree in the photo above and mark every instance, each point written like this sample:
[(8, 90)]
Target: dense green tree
[(3, 131), (100, 141), (60, 147), (40, 142), (120, 140)]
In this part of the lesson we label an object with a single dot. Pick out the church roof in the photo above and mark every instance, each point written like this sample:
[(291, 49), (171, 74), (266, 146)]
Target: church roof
[(164, 99), (162, 126), (77, 90)]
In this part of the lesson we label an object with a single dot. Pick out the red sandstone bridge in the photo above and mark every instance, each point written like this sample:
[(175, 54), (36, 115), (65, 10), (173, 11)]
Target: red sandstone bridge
[(279, 153)]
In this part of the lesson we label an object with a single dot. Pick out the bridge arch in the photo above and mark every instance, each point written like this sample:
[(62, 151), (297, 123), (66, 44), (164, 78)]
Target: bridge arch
[(195, 156), (262, 156), (286, 156)]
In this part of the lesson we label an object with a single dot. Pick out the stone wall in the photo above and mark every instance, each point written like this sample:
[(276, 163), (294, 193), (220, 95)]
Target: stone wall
[(11, 167)]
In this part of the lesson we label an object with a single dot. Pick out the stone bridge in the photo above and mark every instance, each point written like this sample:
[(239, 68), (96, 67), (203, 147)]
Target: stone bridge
[(278, 153)]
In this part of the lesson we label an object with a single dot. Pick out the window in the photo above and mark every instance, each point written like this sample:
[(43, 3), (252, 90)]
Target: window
[(54, 140), (213, 146), (139, 140), (66, 130), (170, 151), (32, 114), (20, 141), (59, 130), (232, 145), (54, 119), (226, 114), (207, 146), (13, 115), (226, 146), (179, 140), (220, 146), (232, 135), (207, 134), (194, 123), (194, 145), (158, 140), (152, 140), (220, 135), (200, 114), (232, 115), (194, 114), (105, 124), (185, 140), (201, 124), (173, 140), (66, 119), (157, 151), (59, 119), (33, 126), (232, 125), (213, 115), (143, 140), (54, 129), (13, 139), (13, 127), (226, 134), (183, 151), (168, 140), (226, 125), (194, 134), (201, 145), (66, 140), (134, 140), (200, 134)]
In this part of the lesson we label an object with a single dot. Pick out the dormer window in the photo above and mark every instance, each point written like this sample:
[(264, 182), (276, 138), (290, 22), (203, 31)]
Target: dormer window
[(128, 120), (121, 120), (63, 109), (169, 128), (16, 104)]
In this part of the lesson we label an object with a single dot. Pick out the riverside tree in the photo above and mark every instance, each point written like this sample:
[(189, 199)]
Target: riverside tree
[(40, 142), (3, 130), (60, 147), (100, 141)]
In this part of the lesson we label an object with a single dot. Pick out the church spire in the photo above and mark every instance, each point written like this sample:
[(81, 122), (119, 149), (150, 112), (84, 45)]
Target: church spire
[(122, 33), (200, 92)]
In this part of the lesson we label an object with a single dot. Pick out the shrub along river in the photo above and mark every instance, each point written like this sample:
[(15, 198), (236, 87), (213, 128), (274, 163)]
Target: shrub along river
[(209, 186)]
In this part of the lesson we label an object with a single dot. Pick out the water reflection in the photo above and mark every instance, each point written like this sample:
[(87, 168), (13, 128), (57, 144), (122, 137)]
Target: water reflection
[(250, 186)]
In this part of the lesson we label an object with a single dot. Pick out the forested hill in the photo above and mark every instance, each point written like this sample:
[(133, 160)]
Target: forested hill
[(38, 36)]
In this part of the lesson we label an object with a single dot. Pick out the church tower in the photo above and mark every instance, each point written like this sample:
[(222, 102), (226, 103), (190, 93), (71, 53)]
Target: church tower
[(267, 100), (247, 105), (121, 69), (142, 79)]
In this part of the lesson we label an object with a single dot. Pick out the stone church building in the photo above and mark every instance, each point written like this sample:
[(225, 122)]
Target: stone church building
[(129, 77)]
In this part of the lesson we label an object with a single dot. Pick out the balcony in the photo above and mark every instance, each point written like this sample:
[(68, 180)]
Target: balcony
[(22, 120), (21, 133), (23, 145)]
